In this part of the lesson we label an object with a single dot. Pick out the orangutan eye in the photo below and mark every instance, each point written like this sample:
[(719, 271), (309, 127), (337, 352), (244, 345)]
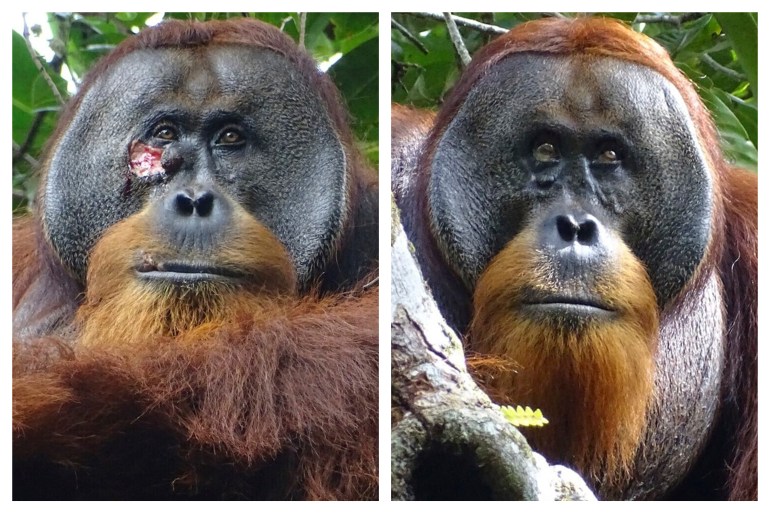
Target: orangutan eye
[(546, 152), (608, 156), (230, 136), (165, 132)]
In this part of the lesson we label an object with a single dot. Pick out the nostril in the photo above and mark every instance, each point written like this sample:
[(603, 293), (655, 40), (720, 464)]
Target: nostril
[(204, 204), (184, 204), (588, 232), (567, 227)]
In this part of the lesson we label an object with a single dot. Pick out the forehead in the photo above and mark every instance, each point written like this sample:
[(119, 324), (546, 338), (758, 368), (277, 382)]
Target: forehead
[(223, 73), (577, 89)]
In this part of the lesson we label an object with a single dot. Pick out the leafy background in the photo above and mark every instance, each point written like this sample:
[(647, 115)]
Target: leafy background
[(718, 52), (80, 39)]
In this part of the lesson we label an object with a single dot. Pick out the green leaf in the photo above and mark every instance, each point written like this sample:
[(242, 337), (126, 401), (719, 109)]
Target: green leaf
[(741, 29), (747, 114), (735, 141), (687, 41), (31, 94), (353, 30), (356, 75), (37, 93), (318, 26)]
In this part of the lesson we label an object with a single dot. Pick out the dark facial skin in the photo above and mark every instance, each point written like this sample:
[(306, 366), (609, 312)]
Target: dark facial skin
[(574, 146), (237, 123)]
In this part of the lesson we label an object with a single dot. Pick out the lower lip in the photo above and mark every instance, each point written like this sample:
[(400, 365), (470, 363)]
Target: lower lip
[(177, 277), (569, 309)]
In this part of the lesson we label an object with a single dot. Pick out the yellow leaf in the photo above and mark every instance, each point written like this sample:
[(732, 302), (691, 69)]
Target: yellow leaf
[(523, 417)]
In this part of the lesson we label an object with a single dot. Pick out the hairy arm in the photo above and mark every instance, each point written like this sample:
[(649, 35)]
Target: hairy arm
[(245, 408)]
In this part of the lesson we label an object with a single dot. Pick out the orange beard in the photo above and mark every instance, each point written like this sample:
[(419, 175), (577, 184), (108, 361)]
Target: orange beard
[(121, 309), (592, 378)]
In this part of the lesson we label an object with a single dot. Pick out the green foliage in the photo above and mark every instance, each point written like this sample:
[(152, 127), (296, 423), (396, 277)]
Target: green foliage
[(717, 52), (81, 39), (360, 46), (523, 417), (726, 79), (32, 99)]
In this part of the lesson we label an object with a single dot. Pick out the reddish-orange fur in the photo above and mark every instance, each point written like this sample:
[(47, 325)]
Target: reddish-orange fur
[(239, 380), (739, 276), (116, 299), (594, 381), (238, 375), (234, 393)]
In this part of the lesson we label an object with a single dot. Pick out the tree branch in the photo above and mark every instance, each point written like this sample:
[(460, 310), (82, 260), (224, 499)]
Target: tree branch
[(19, 151), (285, 21), (302, 24), (405, 32), (465, 22), (39, 65), (668, 18), (457, 40), (29, 159), (735, 75)]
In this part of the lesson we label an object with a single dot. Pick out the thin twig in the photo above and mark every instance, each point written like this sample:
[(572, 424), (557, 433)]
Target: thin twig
[(38, 64), (465, 22), (26, 156), (668, 18), (399, 70), (416, 42), (284, 21), (457, 40), (302, 23), (19, 151), (735, 75)]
